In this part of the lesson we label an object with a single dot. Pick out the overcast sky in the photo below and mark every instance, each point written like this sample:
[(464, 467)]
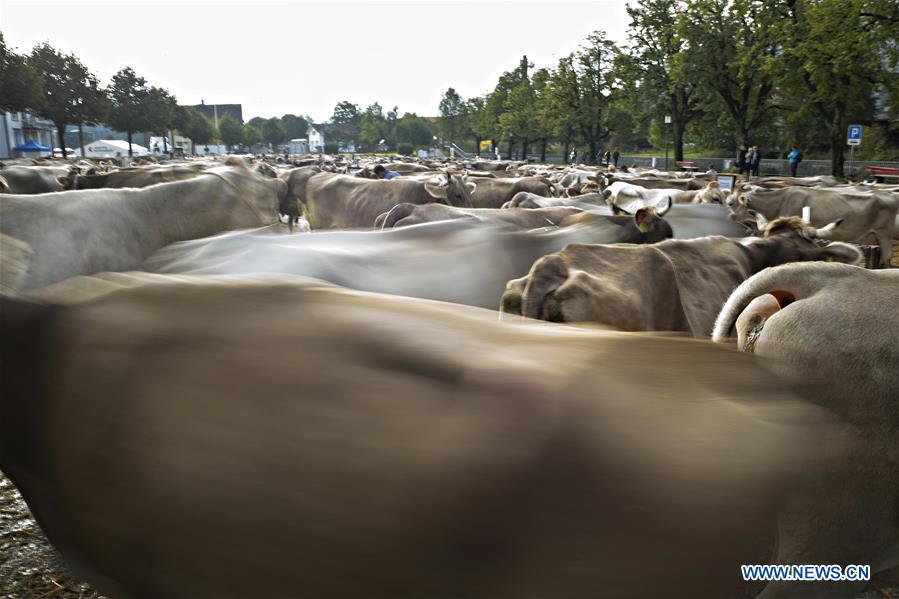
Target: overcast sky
[(304, 57)]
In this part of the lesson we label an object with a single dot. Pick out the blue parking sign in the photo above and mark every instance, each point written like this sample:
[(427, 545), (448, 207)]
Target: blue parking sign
[(854, 136)]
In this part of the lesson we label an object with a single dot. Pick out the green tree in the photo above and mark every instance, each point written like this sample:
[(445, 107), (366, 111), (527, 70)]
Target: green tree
[(160, 111), (451, 104), (477, 120), (231, 131), (563, 95), (372, 125), (414, 130), (836, 53), (346, 112), (200, 129), (66, 83), (257, 121), (294, 126), (518, 120), (731, 47), (667, 86), (20, 85), (251, 136), (273, 132), (128, 94), (92, 109), (593, 65)]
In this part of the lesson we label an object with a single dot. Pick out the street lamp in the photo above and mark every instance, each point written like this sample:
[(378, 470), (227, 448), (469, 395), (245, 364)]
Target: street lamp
[(667, 122)]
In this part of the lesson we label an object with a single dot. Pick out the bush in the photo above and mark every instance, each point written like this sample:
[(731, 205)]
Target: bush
[(405, 149), (332, 147)]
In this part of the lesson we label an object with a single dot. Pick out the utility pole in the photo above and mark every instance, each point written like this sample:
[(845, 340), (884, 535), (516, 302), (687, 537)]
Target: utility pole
[(667, 122)]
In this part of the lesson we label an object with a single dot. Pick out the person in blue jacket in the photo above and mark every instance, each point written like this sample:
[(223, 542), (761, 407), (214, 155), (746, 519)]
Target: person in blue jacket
[(795, 157), (383, 173)]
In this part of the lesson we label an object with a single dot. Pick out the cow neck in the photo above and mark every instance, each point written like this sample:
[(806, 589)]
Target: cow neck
[(760, 253), (188, 209)]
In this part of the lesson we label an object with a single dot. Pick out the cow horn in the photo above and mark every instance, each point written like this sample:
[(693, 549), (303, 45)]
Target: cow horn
[(827, 230), (663, 211)]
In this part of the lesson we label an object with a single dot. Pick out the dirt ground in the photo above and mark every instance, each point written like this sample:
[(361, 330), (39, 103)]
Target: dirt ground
[(29, 566)]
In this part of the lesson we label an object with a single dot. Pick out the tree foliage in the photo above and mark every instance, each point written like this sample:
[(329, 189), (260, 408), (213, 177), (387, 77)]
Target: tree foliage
[(273, 132), (20, 84), (451, 105), (71, 94), (231, 132), (346, 112)]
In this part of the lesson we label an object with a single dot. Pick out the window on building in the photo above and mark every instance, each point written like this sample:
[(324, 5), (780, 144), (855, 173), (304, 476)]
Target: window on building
[(20, 139), (15, 116)]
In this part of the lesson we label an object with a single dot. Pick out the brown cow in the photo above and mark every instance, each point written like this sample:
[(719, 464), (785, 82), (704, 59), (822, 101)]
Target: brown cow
[(82, 232), (136, 177), (676, 285), (825, 327), (341, 201), (174, 438), (493, 193)]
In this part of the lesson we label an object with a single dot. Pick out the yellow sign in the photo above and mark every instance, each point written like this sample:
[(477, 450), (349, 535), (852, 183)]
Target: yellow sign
[(485, 145)]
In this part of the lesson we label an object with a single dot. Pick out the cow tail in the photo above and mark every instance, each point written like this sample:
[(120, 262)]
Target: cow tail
[(785, 283), (546, 276), (396, 214)]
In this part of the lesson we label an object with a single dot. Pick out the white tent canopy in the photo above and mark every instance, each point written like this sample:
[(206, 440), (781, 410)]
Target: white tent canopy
[(109, 148)]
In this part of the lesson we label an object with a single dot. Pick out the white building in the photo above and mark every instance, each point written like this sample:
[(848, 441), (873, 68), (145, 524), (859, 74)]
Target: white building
[(110, 148), (163, 145), (18, 127), (298, 146), (316, 139)]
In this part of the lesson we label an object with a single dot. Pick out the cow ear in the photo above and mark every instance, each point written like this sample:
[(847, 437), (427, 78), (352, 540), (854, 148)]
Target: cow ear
[(65, 181), (619, 211), (743, 200), (760, 221), (471, 186), (640, 218), (436, 191), (841, 252)]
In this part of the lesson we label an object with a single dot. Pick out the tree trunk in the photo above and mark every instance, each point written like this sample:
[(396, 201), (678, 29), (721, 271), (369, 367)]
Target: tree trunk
[(172, 134), (543, 150), (81, 138), (836, 149), (524, 149), (509, 150), (593, 149), (677, 133), (61, 134), (130, 151), (477, 146)]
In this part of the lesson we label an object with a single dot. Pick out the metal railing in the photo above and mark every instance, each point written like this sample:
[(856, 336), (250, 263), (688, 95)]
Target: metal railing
[(767, 166)]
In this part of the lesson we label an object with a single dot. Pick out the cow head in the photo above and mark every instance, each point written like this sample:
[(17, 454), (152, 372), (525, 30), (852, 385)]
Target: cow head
[(711, 193), (454, 190), (649, 221), (790, 239)]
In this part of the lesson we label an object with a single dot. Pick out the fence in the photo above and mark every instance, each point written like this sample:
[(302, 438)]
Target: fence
[(807, 168)]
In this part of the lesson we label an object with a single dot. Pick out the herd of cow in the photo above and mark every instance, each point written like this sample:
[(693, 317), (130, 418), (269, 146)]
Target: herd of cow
[(230, 377)]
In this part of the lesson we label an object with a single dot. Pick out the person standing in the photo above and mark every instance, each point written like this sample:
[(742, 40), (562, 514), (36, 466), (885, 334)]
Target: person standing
[(741, 159), (755, 161), (795, 157), (607, 157), (615, 156), (572, 157)]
